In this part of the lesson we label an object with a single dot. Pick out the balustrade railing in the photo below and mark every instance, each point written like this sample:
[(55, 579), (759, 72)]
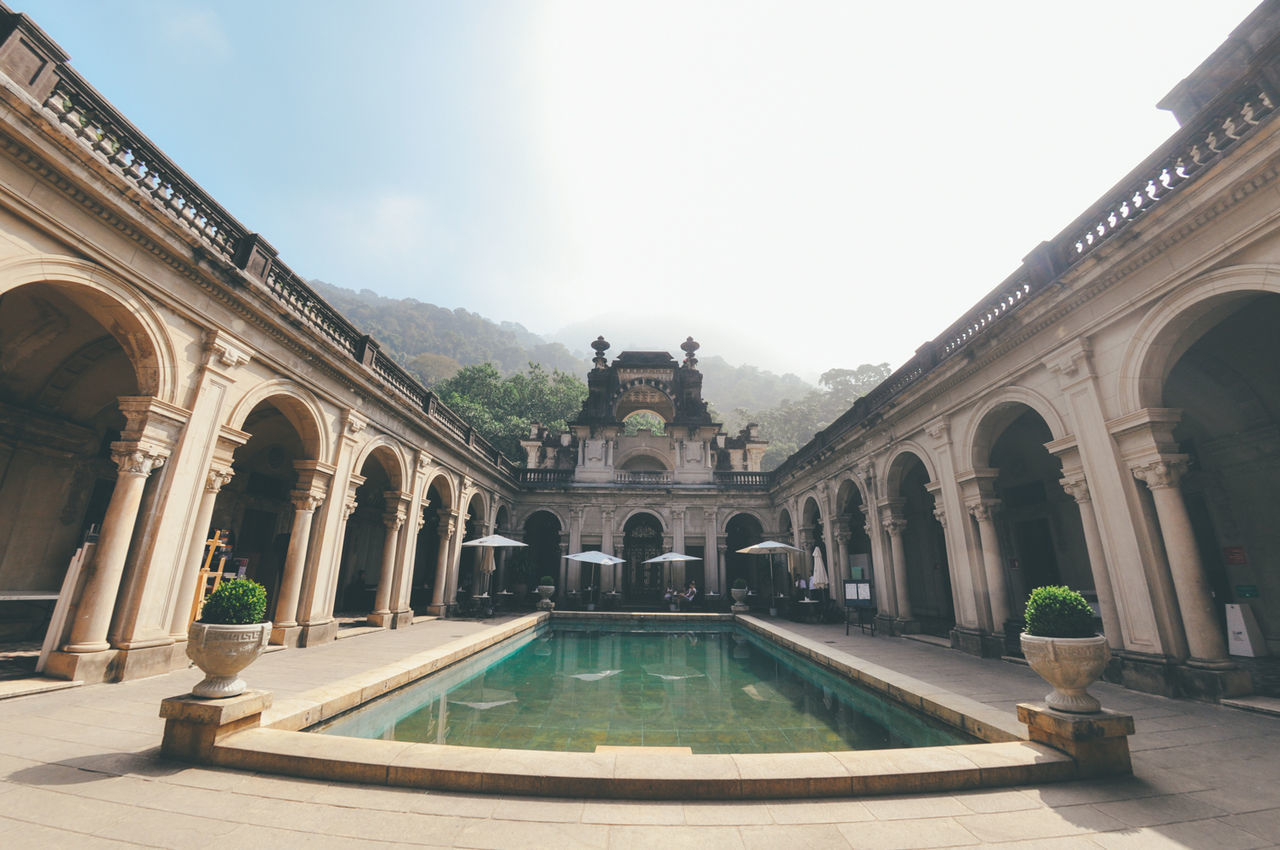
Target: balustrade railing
[(544, 476), (735, 478), (642, 478)]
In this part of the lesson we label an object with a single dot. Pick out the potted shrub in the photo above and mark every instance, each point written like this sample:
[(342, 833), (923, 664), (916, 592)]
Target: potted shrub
[(546, 587), (232, 631), (739, 593), (1063, 646)]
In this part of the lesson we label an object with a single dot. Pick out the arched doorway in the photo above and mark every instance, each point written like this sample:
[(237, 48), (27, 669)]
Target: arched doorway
[(921, 591), (366, 537), (643, 584), (1227, 385), (542, 535), (851, 531), (62, 374), (1041, 534), (741, 531)]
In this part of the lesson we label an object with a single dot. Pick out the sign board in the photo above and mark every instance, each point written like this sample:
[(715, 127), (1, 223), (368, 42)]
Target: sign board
[(857, 594), (1235, 555), (1243, 635), (1246, 591)]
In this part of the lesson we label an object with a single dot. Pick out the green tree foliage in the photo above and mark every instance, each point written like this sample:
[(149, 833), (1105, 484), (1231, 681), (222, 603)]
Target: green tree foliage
[(502, 409), (792, 423), (643, 419)]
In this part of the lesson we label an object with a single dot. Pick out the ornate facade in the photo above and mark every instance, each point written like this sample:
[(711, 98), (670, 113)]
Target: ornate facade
[(1107, 417)]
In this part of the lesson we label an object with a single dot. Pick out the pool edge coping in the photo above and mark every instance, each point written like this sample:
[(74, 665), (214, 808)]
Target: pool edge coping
[(273, 742)]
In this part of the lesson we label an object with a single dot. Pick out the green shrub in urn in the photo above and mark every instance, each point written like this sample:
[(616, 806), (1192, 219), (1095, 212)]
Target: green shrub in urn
[(238, 602), (1058, 611), (547, 581), (740, 583)]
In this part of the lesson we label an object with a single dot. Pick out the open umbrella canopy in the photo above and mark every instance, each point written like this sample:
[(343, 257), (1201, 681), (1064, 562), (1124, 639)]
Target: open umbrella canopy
[(671, 556), (768, 547), (494, 540), (595, 558), (819, 578)]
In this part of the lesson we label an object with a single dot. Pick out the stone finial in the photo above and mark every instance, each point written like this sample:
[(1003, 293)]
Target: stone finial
[(601, 345), (689, 346)]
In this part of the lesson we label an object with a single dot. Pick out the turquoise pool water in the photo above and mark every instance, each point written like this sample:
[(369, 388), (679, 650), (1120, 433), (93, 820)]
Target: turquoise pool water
[(716, 689)]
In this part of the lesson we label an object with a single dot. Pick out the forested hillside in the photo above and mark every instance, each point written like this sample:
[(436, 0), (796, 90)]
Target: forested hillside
[(434, 343), (448, 350)]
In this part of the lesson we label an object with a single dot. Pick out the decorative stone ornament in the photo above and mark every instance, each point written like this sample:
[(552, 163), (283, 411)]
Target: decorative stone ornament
[(545, 591), (1071, 665), (221, 652), (739, 595)]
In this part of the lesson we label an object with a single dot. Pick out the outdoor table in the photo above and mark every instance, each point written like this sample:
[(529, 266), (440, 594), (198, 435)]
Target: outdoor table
[(807, 610)]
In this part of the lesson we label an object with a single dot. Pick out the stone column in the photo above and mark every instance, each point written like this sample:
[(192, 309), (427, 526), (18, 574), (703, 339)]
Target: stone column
[(882, 571), (1078, 489), (1204, 635), (902, 599), (284, 629), (573, 569), (714, 572), (840, 569), (218, 477), (677, 545), (102, 581), (394, 521), (448, 524), (992, 563)]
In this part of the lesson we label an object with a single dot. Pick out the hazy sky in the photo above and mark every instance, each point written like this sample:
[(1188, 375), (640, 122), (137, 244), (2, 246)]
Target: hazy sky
[(798, 184)]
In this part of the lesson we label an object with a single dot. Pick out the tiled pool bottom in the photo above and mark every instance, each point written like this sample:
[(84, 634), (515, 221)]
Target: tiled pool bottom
[(710, 687), (255, 732)]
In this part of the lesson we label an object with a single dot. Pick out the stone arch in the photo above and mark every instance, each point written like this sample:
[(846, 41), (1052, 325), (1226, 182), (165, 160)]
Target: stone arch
[(623, 407), (444, 484), (519, 519), (996, 413), (848, 486), (390, 454), (898, 460), (482, 510), (657, 514), (116, 305), (626, 459), (751, 512), (297, 405), (1178, 321)]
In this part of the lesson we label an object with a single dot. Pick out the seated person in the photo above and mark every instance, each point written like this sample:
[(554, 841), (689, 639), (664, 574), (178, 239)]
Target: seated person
[(689, 596)]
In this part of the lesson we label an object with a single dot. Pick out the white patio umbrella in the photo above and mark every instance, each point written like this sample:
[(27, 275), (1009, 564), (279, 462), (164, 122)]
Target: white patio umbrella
[(489, 543), (818, 579), (671, 558), (597, 558), (770, 548)]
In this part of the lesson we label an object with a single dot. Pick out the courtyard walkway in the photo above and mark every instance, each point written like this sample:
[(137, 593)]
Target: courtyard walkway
[(80, 768)]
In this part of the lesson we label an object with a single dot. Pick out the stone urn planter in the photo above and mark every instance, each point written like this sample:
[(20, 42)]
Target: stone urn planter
[(221, 652), (545, 591), (1057, 648), (228, 637), (739, 595)]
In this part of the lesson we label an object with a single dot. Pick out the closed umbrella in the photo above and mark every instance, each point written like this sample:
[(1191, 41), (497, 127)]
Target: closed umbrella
[(819, 578)]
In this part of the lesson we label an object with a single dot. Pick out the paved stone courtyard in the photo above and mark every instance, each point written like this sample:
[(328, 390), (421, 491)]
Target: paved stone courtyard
[(79, 768)]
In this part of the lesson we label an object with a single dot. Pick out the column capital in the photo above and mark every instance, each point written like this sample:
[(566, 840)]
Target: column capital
[(353, 422), (1163, 473), (394, 518), (1071, 363), (306, 500), (135, 459), (1076, 486), (894, 525), (939, 431), (941, 516), (985, 510), (218, 477)]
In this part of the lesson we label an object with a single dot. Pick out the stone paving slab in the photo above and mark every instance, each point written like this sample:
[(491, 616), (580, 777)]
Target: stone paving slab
[(80, 768)]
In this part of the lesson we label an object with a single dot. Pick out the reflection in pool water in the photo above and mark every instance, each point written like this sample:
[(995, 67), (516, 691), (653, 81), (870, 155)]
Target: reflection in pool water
[(715, 689)]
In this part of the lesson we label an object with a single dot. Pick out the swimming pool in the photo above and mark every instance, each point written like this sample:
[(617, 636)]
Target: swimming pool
[(709, 687)]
